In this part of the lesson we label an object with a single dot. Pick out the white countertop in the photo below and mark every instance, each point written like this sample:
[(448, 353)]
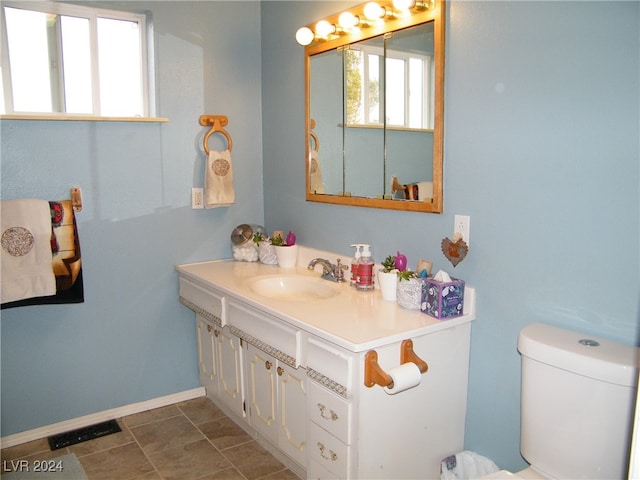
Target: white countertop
[(355, 320)]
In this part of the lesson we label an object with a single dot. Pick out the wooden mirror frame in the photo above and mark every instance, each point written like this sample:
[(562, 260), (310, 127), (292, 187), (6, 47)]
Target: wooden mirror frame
[(435, 11)]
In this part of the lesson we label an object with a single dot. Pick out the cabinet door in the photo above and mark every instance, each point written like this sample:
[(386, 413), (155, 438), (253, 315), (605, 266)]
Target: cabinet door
[(292, 429), (262, 392), (207, 356), (230, 378)]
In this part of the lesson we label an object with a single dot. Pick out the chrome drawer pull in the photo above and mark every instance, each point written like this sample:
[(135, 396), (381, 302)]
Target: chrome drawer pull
[(332, 455), (333, 417)]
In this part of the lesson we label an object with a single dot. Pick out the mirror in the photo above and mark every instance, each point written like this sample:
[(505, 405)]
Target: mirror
[(374, 108)]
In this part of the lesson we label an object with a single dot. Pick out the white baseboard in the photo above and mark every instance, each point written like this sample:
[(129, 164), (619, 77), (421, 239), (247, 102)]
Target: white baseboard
[(85, 421)]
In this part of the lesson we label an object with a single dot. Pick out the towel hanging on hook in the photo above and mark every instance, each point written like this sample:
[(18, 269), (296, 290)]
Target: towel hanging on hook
[(217, 122), (218, 179)]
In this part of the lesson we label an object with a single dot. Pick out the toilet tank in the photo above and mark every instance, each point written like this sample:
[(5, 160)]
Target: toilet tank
[(577, 403)]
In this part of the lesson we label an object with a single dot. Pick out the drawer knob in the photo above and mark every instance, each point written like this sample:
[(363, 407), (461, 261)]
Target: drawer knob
[(280, 371), (209, 328), (268, 365), (332, 455), (323, 409)]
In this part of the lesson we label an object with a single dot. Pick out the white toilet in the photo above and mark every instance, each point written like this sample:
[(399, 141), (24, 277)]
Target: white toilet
[(577, 405)]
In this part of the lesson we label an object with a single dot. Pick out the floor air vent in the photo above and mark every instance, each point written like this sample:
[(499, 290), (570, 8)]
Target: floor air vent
[(83, 434)]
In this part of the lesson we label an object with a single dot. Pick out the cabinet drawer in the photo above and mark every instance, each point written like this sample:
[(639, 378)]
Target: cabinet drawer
[(329, 452), (330, 412), (266, 332), (315, 471), (331, 362), (208, 300)]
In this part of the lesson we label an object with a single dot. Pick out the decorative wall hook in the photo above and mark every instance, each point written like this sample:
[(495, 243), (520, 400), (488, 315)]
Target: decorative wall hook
[(455, 251)]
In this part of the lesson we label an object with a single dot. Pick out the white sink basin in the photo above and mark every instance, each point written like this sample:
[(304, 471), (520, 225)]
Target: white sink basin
[(293, 288)]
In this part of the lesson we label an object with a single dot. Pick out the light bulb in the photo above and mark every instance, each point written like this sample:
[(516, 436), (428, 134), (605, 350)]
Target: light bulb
[(324, 28), (404, 4), (348, 20), (373, 11), (304, 36)]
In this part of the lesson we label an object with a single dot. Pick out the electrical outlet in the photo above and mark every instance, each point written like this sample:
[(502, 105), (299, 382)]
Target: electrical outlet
[(197, 197), (461, 225)]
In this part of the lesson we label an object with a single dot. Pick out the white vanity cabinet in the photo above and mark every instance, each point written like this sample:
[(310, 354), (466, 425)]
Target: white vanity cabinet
[(294, 374), (355, 431), (220, 361), (276, 402)]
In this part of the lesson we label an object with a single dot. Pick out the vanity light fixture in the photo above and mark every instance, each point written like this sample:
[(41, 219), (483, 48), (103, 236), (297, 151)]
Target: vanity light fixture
[(374, 15)]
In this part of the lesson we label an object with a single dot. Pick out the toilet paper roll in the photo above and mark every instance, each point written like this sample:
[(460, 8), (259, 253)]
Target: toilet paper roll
[(404, 377)]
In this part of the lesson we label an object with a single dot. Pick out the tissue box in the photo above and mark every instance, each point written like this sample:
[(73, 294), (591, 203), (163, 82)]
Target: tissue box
[(442, 299)]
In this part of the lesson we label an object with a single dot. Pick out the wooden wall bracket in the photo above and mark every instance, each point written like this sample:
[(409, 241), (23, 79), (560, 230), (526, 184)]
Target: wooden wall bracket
[(375, 375), (408, 355)]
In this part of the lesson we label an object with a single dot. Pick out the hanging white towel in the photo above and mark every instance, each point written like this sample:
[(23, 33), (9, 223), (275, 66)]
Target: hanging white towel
[(315, 173), (26, 256), (218, 180)]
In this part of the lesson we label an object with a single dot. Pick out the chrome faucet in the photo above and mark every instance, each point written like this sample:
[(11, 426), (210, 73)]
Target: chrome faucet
[(335, 273)]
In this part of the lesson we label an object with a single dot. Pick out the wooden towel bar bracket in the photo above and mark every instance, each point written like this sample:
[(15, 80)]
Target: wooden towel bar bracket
[(375, 375), (76, 199), (216, 122)]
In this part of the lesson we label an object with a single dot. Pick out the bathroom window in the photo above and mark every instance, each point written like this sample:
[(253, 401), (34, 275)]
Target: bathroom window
[(62, 59)]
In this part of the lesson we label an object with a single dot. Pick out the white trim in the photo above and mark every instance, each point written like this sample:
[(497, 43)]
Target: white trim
[(85, 421)]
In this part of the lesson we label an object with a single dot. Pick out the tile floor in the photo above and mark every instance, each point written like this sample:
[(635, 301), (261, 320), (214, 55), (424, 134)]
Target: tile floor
[(188, 440)]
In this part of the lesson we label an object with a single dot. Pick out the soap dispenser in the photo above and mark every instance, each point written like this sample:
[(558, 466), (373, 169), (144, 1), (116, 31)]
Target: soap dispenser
[(365, 269), (355, 263)]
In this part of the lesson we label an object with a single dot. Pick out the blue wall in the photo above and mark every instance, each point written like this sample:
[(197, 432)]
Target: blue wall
[(131, 340), (541, 150)]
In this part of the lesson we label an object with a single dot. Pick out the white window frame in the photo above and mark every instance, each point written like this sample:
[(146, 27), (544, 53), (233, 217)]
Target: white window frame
[(428, 93), (147, 77)]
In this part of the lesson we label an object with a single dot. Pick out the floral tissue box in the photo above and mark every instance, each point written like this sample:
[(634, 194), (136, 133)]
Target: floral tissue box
[(442, 299)]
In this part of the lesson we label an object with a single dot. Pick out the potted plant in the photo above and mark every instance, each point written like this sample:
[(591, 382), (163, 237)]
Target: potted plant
[(388, 279), (286, 249)]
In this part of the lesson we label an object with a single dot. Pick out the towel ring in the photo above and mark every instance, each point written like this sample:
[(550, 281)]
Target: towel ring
[(216, 122)]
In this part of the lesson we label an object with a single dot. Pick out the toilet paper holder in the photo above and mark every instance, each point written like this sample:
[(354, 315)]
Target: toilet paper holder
[(375, 375)]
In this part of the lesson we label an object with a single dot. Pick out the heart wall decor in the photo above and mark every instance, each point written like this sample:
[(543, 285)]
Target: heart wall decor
[(454, 251)]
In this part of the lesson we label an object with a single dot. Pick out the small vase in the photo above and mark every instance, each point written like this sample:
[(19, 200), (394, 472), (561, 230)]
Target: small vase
[(287, 256), (410, 294), (388, 282)]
